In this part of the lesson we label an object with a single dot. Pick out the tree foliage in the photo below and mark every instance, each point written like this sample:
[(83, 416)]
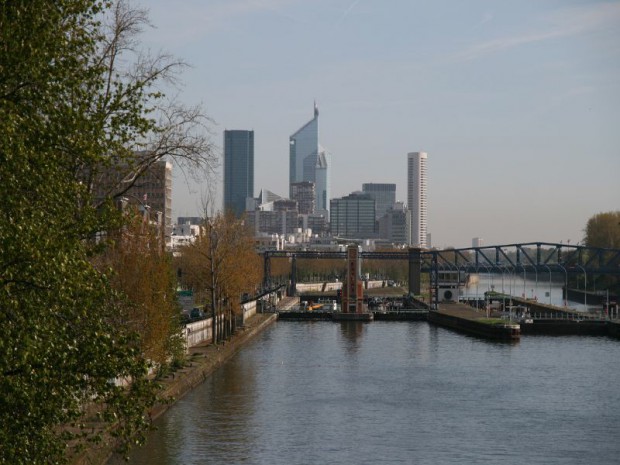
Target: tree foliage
[(603, 230), (66, 110), (221, 265), (140, 270)]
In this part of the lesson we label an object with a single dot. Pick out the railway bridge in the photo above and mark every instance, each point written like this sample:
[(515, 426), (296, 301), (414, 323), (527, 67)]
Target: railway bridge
[(530, 257)]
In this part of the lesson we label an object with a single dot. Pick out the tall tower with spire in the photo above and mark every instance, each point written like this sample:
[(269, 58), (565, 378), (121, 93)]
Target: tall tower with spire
[(308, 161)]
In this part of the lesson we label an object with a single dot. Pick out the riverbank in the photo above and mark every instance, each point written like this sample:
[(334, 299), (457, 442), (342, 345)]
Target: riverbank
[(202, 361), (205, 358)]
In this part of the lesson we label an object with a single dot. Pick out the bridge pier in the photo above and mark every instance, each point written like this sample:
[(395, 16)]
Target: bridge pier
[(415, 270), (293, 287)]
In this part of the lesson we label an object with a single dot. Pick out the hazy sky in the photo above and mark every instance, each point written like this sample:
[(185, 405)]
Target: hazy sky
[(516, 102)]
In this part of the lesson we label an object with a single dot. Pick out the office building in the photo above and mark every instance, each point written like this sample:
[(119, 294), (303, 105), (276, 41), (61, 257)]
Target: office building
[(384, 195), (417, 200), (151, 191), (281, 217), (477, 242), (353, 216), (308, 161), (303, 193), (238, 169), (395, 224)]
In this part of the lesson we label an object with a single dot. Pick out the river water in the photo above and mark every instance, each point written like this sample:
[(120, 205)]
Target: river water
[(544, 287), (398, 393)]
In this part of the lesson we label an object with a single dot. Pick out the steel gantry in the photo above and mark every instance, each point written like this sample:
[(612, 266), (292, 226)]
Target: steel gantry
[(530, 257)]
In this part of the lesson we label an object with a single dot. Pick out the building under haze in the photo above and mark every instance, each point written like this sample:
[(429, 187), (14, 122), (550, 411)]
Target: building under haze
[(303, 193), (353, 216), (308, 161), (395, 224), (238, 169), (417, 200), (384, 195)]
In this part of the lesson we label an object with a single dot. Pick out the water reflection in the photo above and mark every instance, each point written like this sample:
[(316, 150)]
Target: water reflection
[(405, 392), (544, 288), (351, 331)]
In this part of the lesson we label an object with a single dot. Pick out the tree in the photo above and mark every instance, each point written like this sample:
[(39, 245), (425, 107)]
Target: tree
[(140, 270), (603, 230), (221, 265), (66, 110)]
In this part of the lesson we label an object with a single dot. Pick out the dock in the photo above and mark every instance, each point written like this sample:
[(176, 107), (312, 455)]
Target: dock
[(466, 319)]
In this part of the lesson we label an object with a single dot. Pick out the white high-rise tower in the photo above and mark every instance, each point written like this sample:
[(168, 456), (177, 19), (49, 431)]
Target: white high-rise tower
[(416, 197)]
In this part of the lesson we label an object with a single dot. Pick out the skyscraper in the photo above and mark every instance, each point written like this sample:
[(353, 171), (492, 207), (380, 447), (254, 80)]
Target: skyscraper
[(384, 195), (303, 193), (238, 169), (417, 197), (308, 161), (353, 216)]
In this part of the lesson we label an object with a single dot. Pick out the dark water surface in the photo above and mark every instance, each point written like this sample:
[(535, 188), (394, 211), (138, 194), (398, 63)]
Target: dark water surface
[(398, 392)]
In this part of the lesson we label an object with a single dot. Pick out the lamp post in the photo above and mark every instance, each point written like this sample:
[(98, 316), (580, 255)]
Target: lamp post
[(565, 293), (585, 286), (487, 298), (477, 282), (522, 266), (549, 269)]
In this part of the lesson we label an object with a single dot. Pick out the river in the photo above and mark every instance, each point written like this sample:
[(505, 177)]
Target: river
[(545, 288), (398, 393)]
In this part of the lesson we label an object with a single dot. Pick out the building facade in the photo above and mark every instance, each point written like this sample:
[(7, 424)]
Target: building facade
[(308, 161), (151, 191), (384, 195), (395, 224), (238, 169), (303, 193), (417, 200), (353, 216)]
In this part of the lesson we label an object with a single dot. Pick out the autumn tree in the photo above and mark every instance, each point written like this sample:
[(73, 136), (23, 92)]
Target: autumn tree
[(221, 265), (140, 270)]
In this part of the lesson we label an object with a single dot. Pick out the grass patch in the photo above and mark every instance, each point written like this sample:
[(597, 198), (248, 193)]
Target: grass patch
[(494, 321)]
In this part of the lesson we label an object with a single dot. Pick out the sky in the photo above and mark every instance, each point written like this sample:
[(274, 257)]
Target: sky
[(517, 103)]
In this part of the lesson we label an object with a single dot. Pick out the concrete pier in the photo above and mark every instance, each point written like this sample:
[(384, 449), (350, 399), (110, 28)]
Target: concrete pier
[(466, 319)]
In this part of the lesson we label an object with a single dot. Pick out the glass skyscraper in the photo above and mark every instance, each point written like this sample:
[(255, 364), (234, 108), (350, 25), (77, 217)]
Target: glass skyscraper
[(384, 195), (308, 161), (238, 169)]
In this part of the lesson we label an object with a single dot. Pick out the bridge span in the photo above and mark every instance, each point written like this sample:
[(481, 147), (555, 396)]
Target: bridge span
[(530, 257)]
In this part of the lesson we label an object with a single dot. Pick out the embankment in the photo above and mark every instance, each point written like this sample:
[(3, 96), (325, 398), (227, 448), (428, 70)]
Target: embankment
[(203, 360)]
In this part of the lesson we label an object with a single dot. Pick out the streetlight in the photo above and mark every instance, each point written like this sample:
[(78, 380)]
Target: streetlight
[(547, 266), (522, 266), (536, 283), (565, 293), (585, 286)]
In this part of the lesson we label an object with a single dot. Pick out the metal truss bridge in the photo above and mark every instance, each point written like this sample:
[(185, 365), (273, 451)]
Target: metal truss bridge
[(525, 257)]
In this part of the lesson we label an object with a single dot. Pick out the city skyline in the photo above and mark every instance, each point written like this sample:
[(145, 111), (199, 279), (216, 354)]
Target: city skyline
[(517, 103)]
